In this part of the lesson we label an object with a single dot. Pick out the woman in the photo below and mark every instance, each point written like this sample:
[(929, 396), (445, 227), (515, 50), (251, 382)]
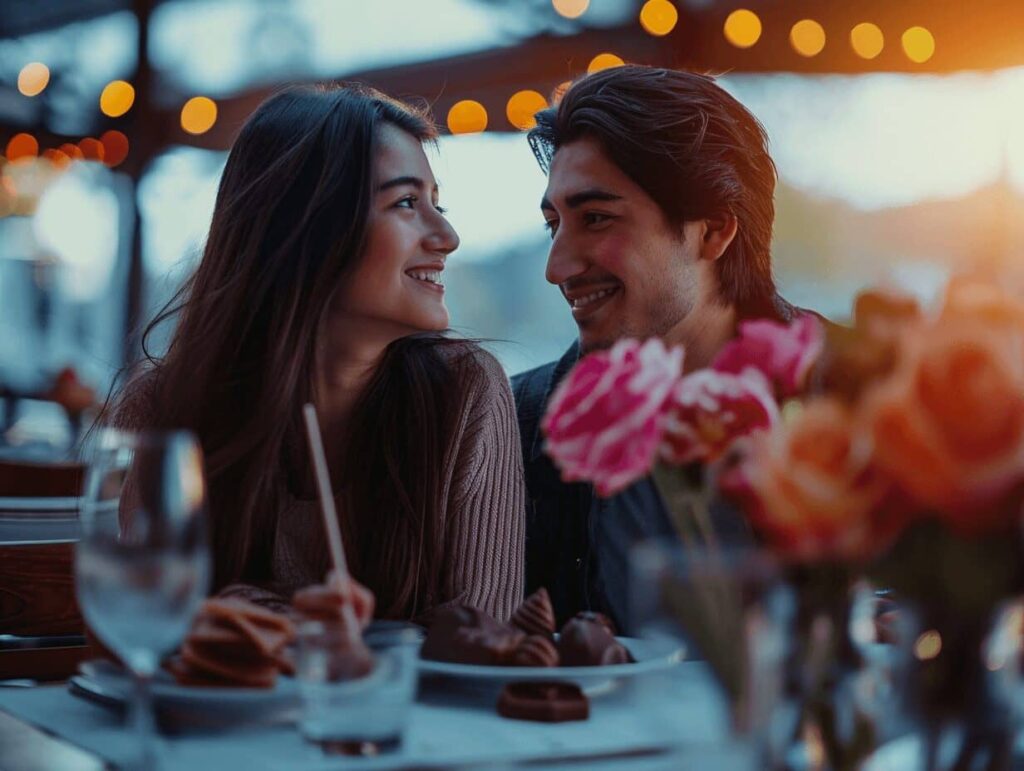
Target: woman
[(321, 282)]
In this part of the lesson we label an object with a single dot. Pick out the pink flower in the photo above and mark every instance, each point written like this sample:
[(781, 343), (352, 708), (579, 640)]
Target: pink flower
[(709, 410), (604, 422), (785, 354)]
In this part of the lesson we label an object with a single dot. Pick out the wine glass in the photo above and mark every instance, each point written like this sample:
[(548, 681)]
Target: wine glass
[(142, 563)]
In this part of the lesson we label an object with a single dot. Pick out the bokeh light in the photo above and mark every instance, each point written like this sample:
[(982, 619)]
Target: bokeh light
[(198, 115), (22, 146), (928, 645), (58, 158), (807, 37), (522, 107), (559, 91), (742, 28), (867, 40), (603, 62), (918, 44), (570, 9), (72, 151), (117, 98), (92, 149), (467, 117), (115, 147), (658, 17), (33, 78)]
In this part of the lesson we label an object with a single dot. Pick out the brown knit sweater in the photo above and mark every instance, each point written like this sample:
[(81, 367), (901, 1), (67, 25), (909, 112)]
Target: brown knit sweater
[(484, 519)]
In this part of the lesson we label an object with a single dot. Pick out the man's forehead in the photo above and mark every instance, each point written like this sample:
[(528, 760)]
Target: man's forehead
[(583, 165)]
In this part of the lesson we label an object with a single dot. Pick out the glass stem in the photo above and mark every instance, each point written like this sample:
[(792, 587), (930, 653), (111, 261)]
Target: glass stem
[(142, 720)]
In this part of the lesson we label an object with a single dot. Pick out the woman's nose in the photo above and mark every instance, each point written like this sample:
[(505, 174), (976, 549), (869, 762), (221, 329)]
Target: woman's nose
[(443, 239)]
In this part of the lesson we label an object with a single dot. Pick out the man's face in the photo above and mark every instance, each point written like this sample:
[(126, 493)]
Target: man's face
[(624, 270)]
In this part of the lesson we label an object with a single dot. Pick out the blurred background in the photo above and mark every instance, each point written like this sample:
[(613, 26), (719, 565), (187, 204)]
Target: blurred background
[(897, 127)]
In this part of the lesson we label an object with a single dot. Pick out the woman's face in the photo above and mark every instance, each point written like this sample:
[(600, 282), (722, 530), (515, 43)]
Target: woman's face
[(397, 285)]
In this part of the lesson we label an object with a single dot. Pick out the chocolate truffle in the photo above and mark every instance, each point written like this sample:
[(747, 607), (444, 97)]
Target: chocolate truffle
[(586, 643), (535, 651), (535, 615), (465, 635), (545, 702)]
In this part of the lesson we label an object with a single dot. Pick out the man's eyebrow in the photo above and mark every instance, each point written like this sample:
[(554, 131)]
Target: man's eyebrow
[(399, 181), (576, 200)]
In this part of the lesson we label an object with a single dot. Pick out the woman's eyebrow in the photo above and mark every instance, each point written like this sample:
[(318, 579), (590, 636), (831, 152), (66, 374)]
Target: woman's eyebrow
[(399, 181)]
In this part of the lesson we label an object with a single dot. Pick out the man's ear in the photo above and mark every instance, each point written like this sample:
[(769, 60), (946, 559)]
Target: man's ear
[(719, 231)]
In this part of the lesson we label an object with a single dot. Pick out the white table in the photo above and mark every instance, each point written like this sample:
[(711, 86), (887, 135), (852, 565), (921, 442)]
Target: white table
[(448, 728)]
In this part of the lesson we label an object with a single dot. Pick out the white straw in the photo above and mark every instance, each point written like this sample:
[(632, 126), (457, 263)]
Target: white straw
[(323, 483)]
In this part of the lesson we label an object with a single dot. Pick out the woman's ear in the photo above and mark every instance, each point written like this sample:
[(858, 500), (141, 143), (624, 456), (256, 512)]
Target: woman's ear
[(719, 231)]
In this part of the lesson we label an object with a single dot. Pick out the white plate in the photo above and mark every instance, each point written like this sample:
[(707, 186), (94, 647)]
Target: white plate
[(63, 507), (651, 656), (167, 692)]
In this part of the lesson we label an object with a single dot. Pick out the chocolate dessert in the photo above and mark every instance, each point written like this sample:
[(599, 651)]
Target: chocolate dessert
[(536, 616), (234, 643), (535, 651), (545, 702), (588, 643), (465, 635)]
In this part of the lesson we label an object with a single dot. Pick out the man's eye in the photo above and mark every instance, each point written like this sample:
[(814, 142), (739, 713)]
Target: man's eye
[(593, 218), (551, 226)]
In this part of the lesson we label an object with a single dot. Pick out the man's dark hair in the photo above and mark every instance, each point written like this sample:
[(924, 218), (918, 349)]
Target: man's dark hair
[(691, 146)]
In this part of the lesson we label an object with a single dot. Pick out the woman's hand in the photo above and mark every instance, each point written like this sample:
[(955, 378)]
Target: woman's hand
[(326, 600)]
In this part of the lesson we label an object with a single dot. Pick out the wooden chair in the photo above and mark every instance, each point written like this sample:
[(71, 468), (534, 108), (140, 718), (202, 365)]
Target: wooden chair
[(41, 628)]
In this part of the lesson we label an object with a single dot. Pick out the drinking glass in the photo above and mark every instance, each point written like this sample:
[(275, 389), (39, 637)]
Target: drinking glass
[(142, 563)]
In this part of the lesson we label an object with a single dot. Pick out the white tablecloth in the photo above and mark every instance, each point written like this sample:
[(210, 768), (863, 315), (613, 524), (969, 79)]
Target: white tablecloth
[(682, 710)]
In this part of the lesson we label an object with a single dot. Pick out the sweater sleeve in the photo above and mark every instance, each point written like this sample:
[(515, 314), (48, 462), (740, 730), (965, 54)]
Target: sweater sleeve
[(488, 507)]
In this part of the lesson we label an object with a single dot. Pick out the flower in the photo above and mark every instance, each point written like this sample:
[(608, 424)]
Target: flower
[(785, 354), (810, 488), (709, 410), (604, 421), (948, 424)]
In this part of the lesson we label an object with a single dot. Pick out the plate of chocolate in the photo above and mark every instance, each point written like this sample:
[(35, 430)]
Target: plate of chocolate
[(465, 642)]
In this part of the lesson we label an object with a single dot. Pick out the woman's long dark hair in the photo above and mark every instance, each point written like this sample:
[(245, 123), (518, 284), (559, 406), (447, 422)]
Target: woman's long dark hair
[(289, 225)]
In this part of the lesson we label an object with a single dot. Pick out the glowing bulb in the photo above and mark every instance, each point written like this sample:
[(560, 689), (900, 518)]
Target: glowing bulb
[(928, 645), (658, 17), (198, 115), (117, 98), (22, 146), (115, 148), (742, 28), (807, 37), (570, 9), (867, 40), (467, 117), (33, 78), (604, 62), (522, 108), (918, 44)]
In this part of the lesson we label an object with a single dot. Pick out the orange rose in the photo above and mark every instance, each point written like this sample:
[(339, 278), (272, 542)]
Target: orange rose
[(810, 489), (948, 424)]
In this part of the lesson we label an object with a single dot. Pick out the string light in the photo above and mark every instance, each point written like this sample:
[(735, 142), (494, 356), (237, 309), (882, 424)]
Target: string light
[(115, 147), (467, 117), (658, 17), (198, 115), (33, 78), (22, 146), (807, 37), (523, 106), (570, 9), (918, 44), (117, 98), (92, 149), (742, 28), (603, 62), (867, 40)]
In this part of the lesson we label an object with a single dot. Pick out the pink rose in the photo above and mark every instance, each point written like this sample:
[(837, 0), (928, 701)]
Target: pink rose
[(709, 410), (604, 422), (785, 354)]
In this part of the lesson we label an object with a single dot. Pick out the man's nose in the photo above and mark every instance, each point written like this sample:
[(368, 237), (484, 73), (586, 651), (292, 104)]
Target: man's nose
[(564, 261)]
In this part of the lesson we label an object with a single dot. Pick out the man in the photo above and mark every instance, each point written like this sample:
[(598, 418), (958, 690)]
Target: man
[(660, 207)]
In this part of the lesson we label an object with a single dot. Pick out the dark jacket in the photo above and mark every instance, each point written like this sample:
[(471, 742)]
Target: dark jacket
[(577, 545)]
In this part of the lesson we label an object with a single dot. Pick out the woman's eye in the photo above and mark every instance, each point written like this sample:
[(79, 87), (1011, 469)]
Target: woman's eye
[(440, 210), (409, 202)]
